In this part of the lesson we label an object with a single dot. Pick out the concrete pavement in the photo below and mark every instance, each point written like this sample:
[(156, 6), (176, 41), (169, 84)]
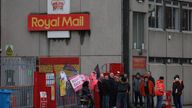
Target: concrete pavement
[(190, 106)]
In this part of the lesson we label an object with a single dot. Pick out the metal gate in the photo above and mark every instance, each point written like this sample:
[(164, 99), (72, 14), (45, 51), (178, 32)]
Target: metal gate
[(17, 75)]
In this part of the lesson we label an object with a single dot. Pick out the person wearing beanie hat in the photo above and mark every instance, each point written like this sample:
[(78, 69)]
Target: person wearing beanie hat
[(177, 90)]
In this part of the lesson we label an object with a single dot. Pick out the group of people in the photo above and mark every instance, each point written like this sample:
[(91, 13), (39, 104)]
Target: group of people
[(146, 87), (113, 91)]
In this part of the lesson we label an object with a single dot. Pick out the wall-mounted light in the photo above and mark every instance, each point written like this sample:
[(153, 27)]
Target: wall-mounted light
[(169, 37), (140, 1), (135, 45), (143, 46)]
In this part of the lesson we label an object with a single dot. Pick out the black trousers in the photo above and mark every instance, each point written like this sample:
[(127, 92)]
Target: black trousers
[(138, 96), (112, 100)]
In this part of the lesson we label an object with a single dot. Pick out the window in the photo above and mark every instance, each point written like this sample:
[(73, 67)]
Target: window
[(172, 15), (138, 30), (159, 1), (186, 12), (159, 17), (155, 14), (152, 16), (10, 78), (185, 16)]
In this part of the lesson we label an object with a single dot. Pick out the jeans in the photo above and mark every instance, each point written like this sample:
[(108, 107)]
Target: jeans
[(147, 101), (138, 96), (122, 100), (159, 101), (105, 102), (177, 101)]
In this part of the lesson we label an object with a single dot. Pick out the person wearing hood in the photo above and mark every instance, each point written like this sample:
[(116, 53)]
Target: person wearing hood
[(123, 89), (136, 86), (86, 97), (177, 89), (159, 91)]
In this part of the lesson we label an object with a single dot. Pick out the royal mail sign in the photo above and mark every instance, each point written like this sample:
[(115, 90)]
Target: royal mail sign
[(55, 22)]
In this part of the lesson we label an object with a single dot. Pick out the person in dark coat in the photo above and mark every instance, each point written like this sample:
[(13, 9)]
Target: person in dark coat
[(100, 86), (177, 90), (112, 94), (123, 90), (136, 88), (105, 92), (153, 80), (86, 98)]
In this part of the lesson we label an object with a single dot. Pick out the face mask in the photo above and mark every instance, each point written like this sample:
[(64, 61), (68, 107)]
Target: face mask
[(146, 80), (176, 79)]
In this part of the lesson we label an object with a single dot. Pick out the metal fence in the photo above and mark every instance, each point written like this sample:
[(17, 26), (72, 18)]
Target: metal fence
[(70, 100), (21, 96), (17, 71), (17, 75)]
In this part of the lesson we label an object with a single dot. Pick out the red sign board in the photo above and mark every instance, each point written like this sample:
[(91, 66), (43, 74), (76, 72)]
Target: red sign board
[(56, 22), (117, 68), (139, 62)]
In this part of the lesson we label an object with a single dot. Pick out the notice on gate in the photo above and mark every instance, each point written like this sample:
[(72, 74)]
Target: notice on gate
[(43, 99), (77, 81)]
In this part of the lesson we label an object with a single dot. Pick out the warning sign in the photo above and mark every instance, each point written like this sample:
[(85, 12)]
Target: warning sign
[(9, 50)]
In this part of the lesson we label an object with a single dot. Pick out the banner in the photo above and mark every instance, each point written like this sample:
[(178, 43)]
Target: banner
[(58, 7), (54, 22), (139, 62), (77, 81)]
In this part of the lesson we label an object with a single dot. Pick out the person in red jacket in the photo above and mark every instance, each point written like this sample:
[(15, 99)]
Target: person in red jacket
[(159, 91), (147, 91)]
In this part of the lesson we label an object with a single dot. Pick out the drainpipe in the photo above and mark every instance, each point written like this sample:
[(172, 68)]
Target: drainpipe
[(125, 33)]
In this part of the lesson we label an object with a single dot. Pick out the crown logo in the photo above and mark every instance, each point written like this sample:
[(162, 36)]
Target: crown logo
[(58, 4)]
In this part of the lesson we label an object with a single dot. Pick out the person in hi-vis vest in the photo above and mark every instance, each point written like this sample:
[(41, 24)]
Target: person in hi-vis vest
[(159, 91)]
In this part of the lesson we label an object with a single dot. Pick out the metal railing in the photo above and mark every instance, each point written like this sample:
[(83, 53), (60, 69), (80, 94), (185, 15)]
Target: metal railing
[(21, 96), (70, 100)]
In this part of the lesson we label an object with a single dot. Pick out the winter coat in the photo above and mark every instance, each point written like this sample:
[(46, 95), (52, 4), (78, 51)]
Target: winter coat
[(123, 87), (150, 88), (136, 84), (106, 86), (177, 88)]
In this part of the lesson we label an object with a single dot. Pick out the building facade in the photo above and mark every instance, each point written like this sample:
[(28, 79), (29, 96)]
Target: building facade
[(145, 35)]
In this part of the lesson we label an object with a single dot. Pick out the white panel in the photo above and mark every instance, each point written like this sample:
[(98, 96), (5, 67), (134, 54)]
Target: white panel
[(187, 74)]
